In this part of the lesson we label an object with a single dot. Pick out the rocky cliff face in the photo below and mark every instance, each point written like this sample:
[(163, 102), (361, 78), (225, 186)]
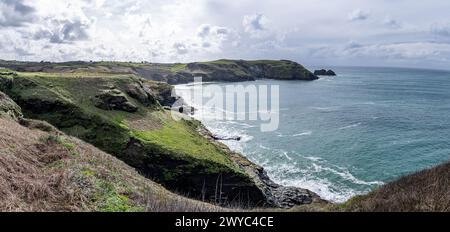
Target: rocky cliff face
[(323, 72), (231, 71)]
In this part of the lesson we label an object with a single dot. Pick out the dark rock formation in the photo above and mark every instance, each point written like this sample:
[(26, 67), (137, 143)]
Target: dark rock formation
[(323, 72), (114, 100), (218, 137), (163, 93)]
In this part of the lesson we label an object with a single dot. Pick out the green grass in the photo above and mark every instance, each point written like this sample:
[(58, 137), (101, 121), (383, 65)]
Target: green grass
[(107, 197), (180, 138), (177, 67)]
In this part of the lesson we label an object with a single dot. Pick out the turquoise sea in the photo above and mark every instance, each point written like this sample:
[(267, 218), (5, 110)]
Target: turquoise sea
[(345, 135)]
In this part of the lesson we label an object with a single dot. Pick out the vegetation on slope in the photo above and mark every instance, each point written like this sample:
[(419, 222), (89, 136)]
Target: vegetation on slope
[(170, 152)]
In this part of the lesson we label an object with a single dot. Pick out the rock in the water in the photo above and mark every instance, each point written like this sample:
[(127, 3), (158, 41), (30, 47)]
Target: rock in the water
[(113, 100), (218, 137), (323, 72)]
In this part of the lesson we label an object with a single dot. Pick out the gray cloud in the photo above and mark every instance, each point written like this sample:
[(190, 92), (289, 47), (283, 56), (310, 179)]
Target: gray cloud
[(441, 29), (22, 52), (381, 32), (358, 15), (15, 13), (254, 22), (204, 30), (180, 48), (392, 23)]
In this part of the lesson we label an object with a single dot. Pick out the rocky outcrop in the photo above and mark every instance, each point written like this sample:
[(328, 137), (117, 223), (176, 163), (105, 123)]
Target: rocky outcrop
[(229, 71), (323, 72), (8, 108), (114, 100), (141, 93), (219, 70), (218, 137), (163, 93)]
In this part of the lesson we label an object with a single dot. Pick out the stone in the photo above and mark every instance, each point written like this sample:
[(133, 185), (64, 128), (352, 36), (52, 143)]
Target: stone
[(113, 100), (141, 93), (323, 72), (9, 108)]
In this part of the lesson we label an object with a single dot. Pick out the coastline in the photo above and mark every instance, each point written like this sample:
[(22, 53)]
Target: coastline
[(277, 194)]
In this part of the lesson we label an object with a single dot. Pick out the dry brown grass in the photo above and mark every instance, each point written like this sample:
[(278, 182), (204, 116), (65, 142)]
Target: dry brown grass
[(42, 171)]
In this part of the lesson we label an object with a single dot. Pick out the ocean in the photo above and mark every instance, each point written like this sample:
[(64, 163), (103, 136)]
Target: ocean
[(346, 135)]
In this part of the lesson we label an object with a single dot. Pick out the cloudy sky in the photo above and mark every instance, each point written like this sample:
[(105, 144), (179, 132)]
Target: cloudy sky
[(333, 32)]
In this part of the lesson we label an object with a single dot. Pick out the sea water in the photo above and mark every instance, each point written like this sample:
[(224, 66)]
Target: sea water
[(345, 135)]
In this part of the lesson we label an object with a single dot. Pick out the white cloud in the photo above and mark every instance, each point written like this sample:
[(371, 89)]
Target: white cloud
[(186, 30)]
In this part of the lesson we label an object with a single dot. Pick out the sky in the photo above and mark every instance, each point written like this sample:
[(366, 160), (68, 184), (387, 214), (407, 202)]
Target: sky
[(404, 33)]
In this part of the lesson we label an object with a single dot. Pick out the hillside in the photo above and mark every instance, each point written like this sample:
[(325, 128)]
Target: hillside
[(137, 145), (219, 70), (41, 169), (121, 115), (424, 191)]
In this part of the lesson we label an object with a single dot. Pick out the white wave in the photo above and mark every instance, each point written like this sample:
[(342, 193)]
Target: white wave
[(325, 108), (302, 134), (286, 155), (324, 188), (350, 126), (290, 174), (284, 173), (313, 158), (295, 135)]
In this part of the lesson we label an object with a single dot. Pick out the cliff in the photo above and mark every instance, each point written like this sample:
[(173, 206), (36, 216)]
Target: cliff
[(122, 115), (219, 70)]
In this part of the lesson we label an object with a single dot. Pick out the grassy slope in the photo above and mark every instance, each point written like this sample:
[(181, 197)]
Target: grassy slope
[(172, 152), (49, 171), (78, 89)]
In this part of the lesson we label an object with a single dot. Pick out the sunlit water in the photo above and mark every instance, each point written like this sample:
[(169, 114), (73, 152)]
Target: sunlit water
[(345, 135)]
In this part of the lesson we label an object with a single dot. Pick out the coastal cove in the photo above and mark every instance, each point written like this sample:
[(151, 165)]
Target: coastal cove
[(347, 135), (108, 128)]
